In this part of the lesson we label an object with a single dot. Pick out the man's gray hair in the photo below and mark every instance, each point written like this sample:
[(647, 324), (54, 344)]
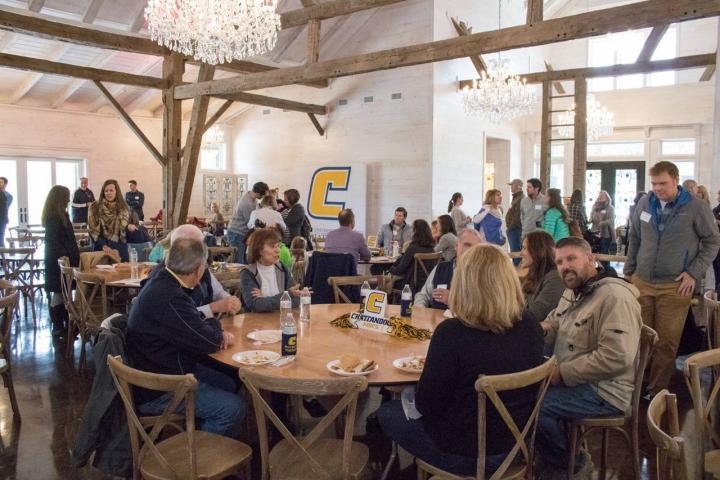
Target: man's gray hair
[(472, 232), (187, 231), (186, 255)]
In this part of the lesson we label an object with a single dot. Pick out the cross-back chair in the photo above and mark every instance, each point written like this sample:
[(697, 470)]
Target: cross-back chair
[(230, 280), (712, 312), (670, 460), (188, 455), (91, 300), (424, 262), (626, 424), (8, 304), (71, 305), (375, 281), (19, 267), (224, 254), (519, 461), (311, 456), (707, 438)]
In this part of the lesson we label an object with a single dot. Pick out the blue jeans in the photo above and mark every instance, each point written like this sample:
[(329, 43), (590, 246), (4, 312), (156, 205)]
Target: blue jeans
[(411, 435), (514, 236), (236, 240), (218, 407), (561, 404)]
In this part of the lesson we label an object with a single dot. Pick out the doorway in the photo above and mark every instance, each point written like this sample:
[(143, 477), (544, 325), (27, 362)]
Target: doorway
[(30, 180), (497, 165), (622, 180)]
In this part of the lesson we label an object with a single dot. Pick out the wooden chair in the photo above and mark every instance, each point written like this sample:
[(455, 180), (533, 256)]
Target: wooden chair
[(626, 424), (706, 459), (670, 458), (712, 313), (92, 309), (191, 454), (19, 267), (226, 254), (71, 305), (488, 387), (310, 456), (8, 304), (353, 280), (422, 262), (230, 281)]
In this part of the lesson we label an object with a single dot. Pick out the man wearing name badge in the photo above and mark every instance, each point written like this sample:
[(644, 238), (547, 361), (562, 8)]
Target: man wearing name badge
[(436, 291), (135, 199), (82, 199), (532, 207), (673, 240)]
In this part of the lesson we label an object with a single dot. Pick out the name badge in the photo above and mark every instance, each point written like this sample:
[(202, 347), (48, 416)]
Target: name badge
[(645, 217), (603, 212), (538, 207)]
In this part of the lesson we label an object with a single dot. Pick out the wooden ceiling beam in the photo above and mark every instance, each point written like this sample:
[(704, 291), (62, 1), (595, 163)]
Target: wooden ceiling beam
[(679, 63), (92, 10), (652, 42), (557, 85), (243, 66), (273, 102), (464, 30), (88, 73), (598, 22), (708, 73), (323, 11), (36, 5), (534, 11)]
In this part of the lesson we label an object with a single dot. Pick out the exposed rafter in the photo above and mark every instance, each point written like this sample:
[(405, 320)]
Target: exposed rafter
[(633, 16), (323, 11), (534, 11), (36, 5), (32, 78), (265, 101), (464, 30), (117, 90), (557, 85), (652, 42), (708, 73)]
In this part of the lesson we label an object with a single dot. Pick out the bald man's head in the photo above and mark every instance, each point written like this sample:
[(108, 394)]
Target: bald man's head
[(187, 231)]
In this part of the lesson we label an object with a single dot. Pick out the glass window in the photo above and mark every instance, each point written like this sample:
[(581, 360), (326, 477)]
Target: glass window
[(9, 171), (556, 151), (40, 174), (67, 174), (557, 175), (677, 147), (212, 157), (687, 170), (620, 149)]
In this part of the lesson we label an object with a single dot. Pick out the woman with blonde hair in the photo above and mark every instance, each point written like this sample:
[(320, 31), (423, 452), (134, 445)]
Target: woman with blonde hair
[(703, 194), (489, 220), (108, 219), (489, 335), (602, 218)]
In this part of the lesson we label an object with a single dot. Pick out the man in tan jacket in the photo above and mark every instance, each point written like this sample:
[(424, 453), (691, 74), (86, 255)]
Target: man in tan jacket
[(595, 334)]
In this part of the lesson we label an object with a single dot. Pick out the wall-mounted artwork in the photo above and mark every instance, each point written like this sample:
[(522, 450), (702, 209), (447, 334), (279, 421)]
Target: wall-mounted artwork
[(224, 189)]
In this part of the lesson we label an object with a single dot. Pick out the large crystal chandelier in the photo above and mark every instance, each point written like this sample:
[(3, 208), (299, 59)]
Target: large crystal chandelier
[(600, 121), (213, 136), (214, 31), (499, 95)]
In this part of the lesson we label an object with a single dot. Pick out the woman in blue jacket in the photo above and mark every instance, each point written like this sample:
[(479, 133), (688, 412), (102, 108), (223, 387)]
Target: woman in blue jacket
[(489, 220)]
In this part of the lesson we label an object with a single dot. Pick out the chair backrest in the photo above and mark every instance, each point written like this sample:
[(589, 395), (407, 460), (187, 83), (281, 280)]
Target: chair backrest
[(227, 254), (88, 287), (712, 312), (230, 280), (8, 304), (703, 407), (669, 445), (372, 241), (12, 266), (648, 339), (424, 262), (323, 266), (488, 387), (349, 388), (182, 387), (66, 285), (354, 281)]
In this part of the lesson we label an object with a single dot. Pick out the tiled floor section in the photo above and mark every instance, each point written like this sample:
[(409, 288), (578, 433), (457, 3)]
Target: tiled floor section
[(51, 395)]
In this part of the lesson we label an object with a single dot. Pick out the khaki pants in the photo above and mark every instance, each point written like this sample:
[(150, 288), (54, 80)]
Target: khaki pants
[(664, 310)]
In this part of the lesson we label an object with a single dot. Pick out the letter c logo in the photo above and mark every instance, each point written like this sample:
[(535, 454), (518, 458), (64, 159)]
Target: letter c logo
[(375, 303), (325, 180)]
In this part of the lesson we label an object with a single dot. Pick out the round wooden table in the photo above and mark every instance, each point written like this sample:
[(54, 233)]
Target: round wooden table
[(319, 342)]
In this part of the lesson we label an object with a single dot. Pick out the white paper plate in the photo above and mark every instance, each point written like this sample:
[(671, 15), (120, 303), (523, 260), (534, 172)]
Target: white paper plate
[(398, 363), (265, 336), (105, 267), (334, 367), (255, 357)]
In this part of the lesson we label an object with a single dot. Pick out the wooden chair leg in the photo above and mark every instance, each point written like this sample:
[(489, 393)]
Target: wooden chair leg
[(421, 474), (70, 347), (572, 449), (603, 458), (635, 451), (248, 469), (81, 363), (11, 392)]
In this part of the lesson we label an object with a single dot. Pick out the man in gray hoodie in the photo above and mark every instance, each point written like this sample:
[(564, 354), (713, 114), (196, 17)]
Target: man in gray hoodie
[(673, 240)]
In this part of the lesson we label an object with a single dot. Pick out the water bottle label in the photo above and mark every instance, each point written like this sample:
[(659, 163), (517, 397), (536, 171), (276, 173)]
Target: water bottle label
[(305, 300), (286, 304), (289, 344), (405, 308)]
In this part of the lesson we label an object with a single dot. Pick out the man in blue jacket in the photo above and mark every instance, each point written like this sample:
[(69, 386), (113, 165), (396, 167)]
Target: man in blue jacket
[(167, 334), (672, 242)]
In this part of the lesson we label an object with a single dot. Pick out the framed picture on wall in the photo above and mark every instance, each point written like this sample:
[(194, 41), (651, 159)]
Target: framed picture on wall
[(224, 189)]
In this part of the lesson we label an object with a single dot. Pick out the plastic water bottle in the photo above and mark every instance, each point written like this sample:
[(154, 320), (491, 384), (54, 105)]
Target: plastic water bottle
[(305, 300), (285, 305), (405, 301), (364, 292), (134, 271), (289, 335), (395, 249)]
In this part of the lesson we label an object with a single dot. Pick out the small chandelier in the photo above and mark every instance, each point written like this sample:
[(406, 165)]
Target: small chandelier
[(499, 95), (213, 136), (214, 31), (600, 121)]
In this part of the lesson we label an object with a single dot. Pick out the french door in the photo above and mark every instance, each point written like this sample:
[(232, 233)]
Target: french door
[(30, 180), (622, 180)]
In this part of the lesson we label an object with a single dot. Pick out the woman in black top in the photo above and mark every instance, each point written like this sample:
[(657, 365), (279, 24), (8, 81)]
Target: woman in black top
[(422, 242), (489, 335), (295, 219), (59, 242)]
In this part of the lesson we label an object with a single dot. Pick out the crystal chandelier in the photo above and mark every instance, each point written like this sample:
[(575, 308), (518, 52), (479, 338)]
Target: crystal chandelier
[(600, 121), (214, 31), (499, 95), (213, 136)]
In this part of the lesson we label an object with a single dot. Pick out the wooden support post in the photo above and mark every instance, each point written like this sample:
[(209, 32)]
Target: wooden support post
[(534, 11), (708, 73), (545, 133), (315, 122), (173, 69), (580, 148), (211, 121), (558, 86), (716, 122), (192, 149), (131, 123), (313, 41)]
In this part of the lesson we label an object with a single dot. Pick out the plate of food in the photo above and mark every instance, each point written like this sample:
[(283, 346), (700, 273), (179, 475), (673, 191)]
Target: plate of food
[(255, 357), (411, 364), (105, 267), (352, 366), (265, 336)]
